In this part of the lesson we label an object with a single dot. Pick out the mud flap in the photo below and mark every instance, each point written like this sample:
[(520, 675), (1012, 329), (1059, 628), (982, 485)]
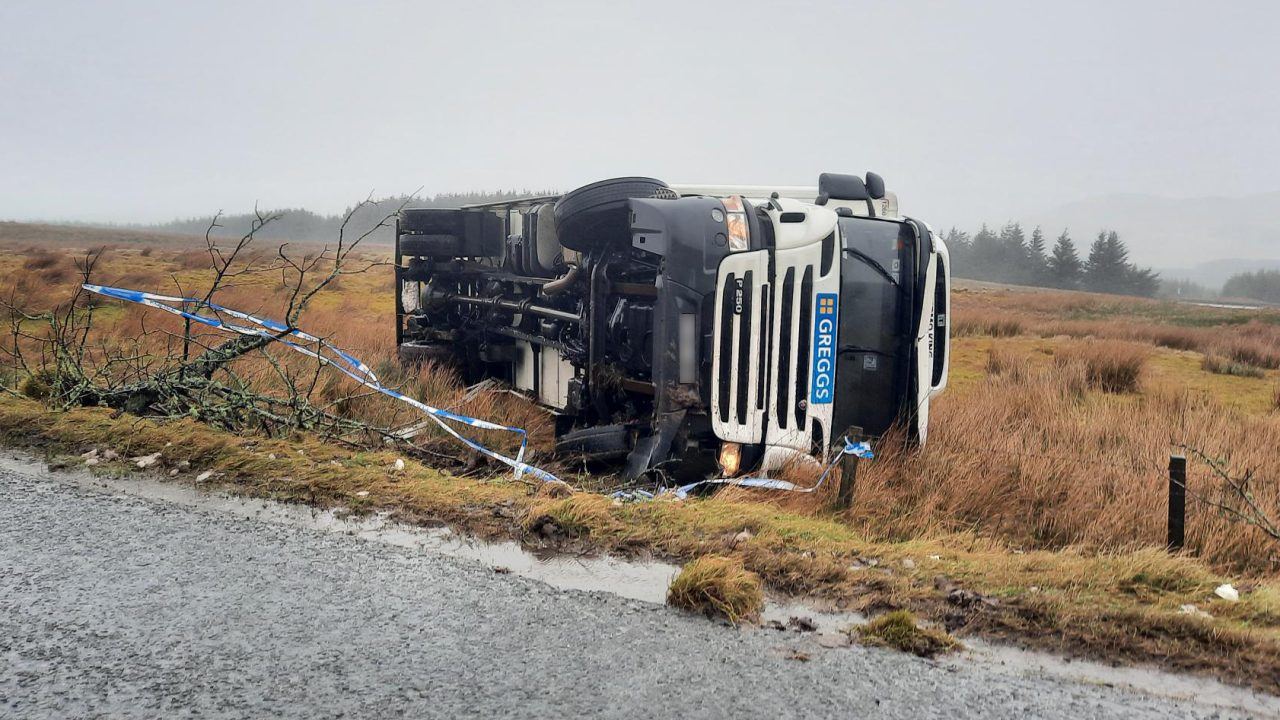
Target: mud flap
[(656, 447)]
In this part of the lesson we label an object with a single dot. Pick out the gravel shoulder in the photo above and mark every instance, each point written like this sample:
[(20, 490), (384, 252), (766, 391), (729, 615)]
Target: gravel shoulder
[(118, 606)]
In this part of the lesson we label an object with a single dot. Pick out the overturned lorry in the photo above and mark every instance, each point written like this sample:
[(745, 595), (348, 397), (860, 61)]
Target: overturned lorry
[(694, 330)]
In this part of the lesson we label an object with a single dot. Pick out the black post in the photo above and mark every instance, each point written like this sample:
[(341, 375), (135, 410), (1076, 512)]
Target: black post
[(848, 473), (1177, 501), (399, 273)]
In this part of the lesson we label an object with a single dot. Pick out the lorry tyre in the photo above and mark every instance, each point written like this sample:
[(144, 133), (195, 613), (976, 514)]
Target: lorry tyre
[(428, 221), (416, 353), (429, 245), (596, 214), (604, 442)]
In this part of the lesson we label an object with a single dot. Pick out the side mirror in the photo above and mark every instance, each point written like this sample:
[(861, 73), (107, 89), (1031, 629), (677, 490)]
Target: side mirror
[(875, 186), (842, 187)]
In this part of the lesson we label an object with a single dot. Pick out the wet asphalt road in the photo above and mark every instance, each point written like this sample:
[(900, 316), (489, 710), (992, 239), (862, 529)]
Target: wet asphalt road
[(116, 606)]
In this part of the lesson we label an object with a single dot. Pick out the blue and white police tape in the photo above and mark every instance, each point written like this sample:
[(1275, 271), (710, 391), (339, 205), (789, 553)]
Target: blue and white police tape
[(264, 327), (345, 363), (859, 449)]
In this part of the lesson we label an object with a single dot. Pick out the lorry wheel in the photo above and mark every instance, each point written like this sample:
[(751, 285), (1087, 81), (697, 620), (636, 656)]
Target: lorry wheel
[(416, 352), (606, 442), (429, 245), (428, 221), (596, 214)]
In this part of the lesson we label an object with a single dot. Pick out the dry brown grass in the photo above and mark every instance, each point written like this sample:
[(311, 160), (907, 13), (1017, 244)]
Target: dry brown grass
[(994, 324), (1032, 460), (718, 587), (1109, 366), (1001, 361), (42, 259), (1247, 336)]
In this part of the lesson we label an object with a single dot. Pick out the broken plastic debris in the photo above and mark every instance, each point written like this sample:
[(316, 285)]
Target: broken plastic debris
[(363, 493), (1228, 593), (1190, 609), (398, 465)]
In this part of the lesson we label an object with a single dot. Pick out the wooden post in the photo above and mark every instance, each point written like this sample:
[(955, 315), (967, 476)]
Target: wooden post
[(848, 472), (1177, 501)]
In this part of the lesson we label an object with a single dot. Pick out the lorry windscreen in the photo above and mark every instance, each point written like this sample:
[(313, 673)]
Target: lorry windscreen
[(873, 359)]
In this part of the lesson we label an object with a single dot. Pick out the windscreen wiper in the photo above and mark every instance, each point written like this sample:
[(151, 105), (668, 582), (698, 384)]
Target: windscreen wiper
[(871, 262)]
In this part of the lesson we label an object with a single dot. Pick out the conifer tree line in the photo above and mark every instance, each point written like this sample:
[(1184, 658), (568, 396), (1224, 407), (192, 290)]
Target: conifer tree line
[(1258, 285), (1009, 256)]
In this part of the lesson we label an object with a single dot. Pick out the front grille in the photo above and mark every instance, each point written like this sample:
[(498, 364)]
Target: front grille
[(805, 325), (767, 326), (742, 373), (764, 347), (724, 379), (784, 345), (742, 312)]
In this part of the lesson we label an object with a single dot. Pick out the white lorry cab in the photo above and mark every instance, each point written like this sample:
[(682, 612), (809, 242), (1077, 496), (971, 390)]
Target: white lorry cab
[(692, 329)]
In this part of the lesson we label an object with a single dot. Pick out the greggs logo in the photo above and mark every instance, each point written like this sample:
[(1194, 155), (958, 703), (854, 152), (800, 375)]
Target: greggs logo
[(822, 377)]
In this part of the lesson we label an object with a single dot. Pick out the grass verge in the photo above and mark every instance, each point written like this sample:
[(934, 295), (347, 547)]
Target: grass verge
[(1121, 607)]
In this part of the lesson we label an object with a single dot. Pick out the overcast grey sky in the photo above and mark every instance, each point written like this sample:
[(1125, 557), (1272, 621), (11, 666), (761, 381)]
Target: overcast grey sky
[(142, 111)]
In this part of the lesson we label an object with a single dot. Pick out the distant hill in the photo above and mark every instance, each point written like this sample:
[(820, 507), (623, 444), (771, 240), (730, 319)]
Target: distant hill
[(1214, 273), (1177, 233)]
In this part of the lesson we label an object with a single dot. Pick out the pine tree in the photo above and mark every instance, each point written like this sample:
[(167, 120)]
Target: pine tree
[(1063, 267), (1036, 260), (987, 255), (1037, 247), (1107, 268), (1013, 253)]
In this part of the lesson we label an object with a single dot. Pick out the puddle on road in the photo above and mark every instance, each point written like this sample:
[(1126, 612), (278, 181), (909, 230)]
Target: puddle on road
[(646, 581), (643, 581)]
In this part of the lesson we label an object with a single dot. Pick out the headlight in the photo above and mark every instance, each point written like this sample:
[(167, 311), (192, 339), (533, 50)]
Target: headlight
[(736, 224), (730, 458)]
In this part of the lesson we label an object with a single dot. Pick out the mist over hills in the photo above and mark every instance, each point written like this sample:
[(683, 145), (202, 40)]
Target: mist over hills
[(1200, 239)]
